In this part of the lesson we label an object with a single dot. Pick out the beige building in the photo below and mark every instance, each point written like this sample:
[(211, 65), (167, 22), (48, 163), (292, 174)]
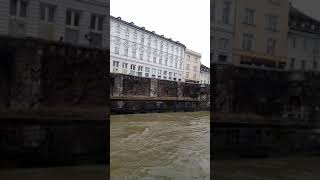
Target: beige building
[(192, 66), (260, 39)]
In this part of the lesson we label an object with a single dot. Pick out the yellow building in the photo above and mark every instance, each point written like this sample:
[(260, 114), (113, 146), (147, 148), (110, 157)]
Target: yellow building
[(260, 39), (192, 66)]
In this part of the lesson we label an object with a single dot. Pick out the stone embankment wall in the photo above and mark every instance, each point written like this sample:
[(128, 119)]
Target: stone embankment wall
[(264, 112), (38, 75), (53, 103), (131, 94)]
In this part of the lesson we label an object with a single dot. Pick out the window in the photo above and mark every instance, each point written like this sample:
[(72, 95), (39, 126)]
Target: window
[(124, 65), (47, 12), (132, 69), (126, 51), (18, 8), (134, 53), (140, 68), (196, 60), (294, 42), (316, 48), (96, 22), (223, 43), (154, 72), (226, 12), (247, 42), (142, 40), (116, 50), (135, 36), (160, 60), (187, 74), (249, 16), (149, 40), (194, 76), (188, 58), (72, 18), (115, 63), (148, 57), (272, 22), (154, 59), (147, 70), (222, 58), (180, 65), (292, 63), (303, 64), (187, 67), (305, 44), (159, 73), (127, 33), (195, 68), (141, 55), (176, 65), (118, 29), (271, 45)]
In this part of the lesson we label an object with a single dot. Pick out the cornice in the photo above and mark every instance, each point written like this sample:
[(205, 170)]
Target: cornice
[(147, 31)]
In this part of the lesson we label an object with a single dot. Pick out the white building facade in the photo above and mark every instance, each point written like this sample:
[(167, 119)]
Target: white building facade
[(192, 66), (222, 30), (303, 42), (139, 52), (81, 22), (204, 74)]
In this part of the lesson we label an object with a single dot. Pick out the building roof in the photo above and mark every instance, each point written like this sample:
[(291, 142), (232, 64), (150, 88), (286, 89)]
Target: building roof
[(204, 68), (193, 52), (300, 21), (295, 12), (102, 3), (143, 29)]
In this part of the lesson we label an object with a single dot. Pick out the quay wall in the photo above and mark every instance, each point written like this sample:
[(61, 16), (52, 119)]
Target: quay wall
[(53, 104), (132, 94), (264, 112)]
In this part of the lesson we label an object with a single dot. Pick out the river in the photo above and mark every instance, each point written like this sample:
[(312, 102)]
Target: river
[(160, 146)]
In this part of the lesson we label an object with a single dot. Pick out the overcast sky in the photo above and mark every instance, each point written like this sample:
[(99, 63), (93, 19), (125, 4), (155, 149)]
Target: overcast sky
[(187, 21), (310, 7)]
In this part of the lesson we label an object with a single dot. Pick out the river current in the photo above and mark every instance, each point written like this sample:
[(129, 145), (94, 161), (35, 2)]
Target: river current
[(160, 146)]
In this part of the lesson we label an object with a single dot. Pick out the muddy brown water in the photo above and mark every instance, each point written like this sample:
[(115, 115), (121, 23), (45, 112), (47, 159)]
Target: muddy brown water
[(160, 146)]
